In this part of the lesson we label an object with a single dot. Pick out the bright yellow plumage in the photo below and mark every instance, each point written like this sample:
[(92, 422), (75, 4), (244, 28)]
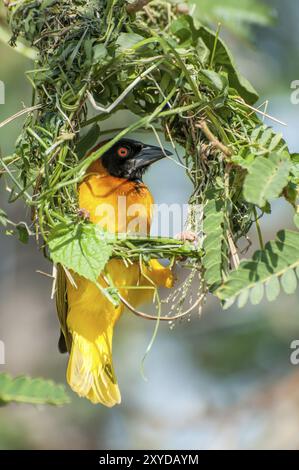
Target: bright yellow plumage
[(91, 317)]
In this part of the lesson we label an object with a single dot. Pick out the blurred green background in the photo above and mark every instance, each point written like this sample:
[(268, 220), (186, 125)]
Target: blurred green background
[(223, 380)]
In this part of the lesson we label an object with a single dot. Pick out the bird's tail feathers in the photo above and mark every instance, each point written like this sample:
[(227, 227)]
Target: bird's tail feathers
[(90, 370)]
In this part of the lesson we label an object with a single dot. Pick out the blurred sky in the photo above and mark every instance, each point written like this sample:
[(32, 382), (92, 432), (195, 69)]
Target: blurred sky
[(223, 380)]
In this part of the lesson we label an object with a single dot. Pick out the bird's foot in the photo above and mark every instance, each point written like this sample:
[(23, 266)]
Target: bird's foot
[(187, 236), (83, 214)]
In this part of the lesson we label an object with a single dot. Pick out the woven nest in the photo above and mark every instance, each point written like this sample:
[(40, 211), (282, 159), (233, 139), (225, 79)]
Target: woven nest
[(94, 58)]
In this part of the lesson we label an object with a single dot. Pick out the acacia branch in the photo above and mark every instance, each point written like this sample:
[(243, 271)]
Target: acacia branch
[(213, 139)]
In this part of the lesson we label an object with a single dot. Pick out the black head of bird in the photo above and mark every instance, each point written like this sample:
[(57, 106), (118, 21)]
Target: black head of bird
[(130, 159)]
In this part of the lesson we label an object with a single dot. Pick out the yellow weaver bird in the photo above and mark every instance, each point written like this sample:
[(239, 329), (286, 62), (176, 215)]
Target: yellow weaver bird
[(86, 316)]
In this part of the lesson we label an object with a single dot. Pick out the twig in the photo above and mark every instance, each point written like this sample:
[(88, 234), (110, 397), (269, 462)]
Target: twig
[(149, 14), (19, 114), (233, 250), (44, 274), (70, 277), (261, 112), (163, 150), (213, 139), (16, 182), (115, 103), (137, 5), (54, 283), (146, 316)]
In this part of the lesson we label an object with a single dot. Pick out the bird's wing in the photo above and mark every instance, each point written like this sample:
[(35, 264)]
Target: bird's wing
[(65, 340)]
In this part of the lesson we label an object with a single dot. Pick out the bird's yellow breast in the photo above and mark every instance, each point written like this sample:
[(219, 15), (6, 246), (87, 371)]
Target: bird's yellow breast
[(116, 204)]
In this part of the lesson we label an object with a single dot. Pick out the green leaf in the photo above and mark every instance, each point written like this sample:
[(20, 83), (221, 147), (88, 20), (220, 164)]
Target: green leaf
[(228, 303), (272, 288), (99, 53), (34, 391), (127, 40), (256, 294), (264, 141), (213, 245), (203, 51), (183, 28), (234, 14), (278, 261), (23, 232), (242, 162), (3, 218), (82, 247), (243, 298), (290, 193), (88, 141), (296, 220), (266, 179), (224, 58), (213, 79), (289, 282), (295, 157)]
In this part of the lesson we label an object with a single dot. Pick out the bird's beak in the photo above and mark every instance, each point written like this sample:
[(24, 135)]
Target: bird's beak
[(148, 155)]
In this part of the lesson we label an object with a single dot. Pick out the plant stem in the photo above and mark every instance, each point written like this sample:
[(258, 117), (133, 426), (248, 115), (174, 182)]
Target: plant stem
[(258, 228)]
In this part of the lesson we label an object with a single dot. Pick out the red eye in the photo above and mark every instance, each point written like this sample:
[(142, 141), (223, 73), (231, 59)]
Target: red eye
[(122, 152)]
